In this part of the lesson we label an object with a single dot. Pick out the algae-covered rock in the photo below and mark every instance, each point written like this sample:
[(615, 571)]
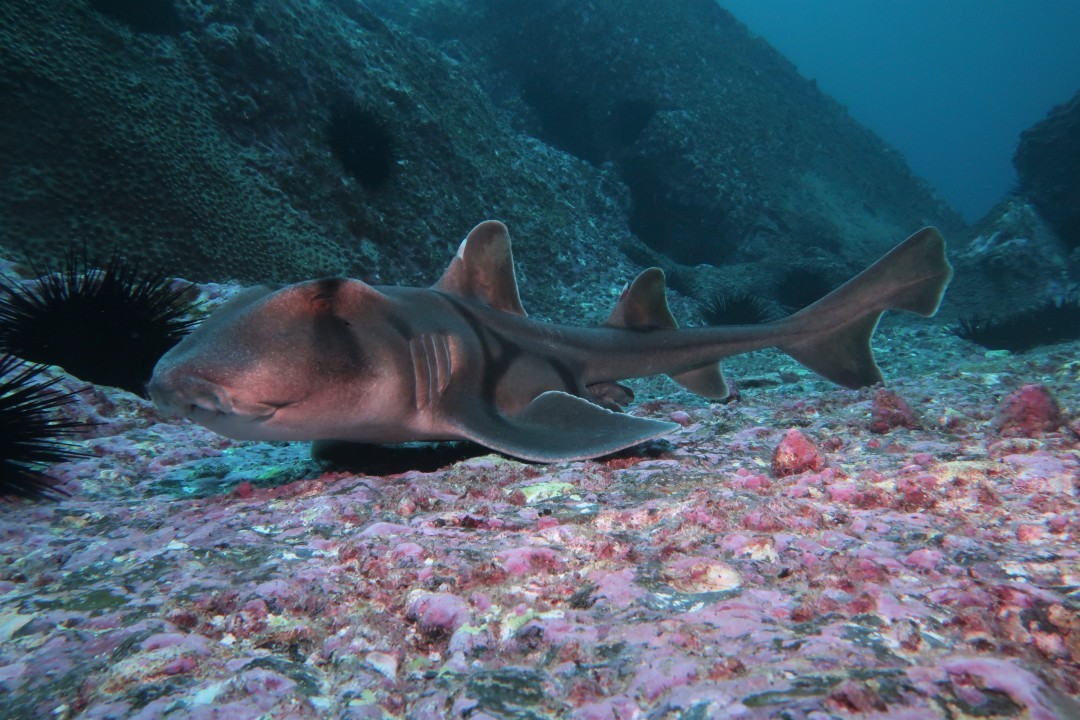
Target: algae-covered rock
[(730, 156), (1048, 161), (273, 141)]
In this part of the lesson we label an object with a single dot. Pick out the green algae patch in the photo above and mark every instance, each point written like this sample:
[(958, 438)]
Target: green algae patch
[(546, 491)]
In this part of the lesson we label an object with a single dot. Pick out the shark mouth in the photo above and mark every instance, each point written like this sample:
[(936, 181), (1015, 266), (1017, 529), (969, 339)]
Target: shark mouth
[(200, 400)]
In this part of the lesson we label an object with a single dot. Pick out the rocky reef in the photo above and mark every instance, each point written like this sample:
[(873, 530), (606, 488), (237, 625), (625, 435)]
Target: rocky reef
[(270, 141), (1048, 162), (1026, 250), (728, 153), (802, 552), (280, 140)]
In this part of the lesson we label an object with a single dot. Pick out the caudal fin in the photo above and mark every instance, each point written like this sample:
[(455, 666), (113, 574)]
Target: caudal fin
[(832, 336)]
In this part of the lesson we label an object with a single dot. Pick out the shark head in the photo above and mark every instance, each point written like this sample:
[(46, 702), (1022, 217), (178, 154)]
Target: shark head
[(270, 363)]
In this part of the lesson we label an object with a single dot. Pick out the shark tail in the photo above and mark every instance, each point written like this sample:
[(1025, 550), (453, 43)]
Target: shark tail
[(832, 336)]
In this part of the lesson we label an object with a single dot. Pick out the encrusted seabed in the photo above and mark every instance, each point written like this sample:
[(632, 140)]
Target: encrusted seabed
[(775, 558)]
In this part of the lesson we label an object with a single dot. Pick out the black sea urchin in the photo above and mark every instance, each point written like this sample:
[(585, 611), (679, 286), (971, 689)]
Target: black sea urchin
[(362, 142), (737, 308), (30, 435), (1049, 322), (107, 326)]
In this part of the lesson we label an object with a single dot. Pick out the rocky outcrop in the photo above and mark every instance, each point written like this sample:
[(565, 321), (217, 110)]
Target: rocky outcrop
[(1048, 162), (286, 139), (1008, 260), (1026, 250), (273, 141), (730, 156)]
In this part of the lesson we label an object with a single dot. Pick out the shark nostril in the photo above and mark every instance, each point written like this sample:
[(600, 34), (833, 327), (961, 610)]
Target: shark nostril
[(222, 399)]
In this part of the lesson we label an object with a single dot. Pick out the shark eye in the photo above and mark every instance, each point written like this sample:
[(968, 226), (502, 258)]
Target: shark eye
[(322, 304)]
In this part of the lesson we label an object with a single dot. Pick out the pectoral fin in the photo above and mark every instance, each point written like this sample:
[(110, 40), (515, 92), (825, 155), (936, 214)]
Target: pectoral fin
[(557, 426)]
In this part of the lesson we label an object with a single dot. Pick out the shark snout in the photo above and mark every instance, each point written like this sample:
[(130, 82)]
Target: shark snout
[(183, 394), (203, 400)]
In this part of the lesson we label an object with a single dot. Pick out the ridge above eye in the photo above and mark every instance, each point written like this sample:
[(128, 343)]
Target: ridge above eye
[(322, 303)]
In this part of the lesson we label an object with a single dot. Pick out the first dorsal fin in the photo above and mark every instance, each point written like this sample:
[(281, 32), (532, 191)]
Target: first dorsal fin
[(483, 269)]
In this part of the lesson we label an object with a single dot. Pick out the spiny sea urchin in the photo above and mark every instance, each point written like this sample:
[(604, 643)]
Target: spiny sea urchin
[(363, 143), (30, 434), (737, 308), (107, 326), (1051, 321)]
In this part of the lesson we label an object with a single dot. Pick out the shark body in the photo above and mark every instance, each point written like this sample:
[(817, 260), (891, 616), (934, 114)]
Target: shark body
[(339, 360)]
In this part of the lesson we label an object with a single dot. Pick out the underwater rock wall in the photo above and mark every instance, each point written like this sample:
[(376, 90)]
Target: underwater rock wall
[(288, 139), (271, 141), (1026, 249), (1048, 162), (729, 155)]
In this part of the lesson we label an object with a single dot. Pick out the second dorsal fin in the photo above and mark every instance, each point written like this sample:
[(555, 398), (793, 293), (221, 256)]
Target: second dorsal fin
[(643, 306), (483, 269)]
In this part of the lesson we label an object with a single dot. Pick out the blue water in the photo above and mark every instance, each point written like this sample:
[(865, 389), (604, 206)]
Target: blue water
[(949, 83)]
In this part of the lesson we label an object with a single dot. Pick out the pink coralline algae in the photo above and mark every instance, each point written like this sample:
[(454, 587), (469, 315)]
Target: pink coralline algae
[(773, 557), (437, 613), (795, 454), (527, 560), (889, 411), (1028, 412)]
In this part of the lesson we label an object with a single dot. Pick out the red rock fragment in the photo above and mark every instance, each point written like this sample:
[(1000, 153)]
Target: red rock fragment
[(924, 558), (853, 696), (180, 665), (795, 454), (1029, 533), (890, 411), (1028, 412), (527, 560), (916, 493)]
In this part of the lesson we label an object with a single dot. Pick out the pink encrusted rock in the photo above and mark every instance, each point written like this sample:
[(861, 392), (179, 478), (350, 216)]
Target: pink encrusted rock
[(617, 589), (1028, 412), (1023, 687), (408, 553), (611, 708), (651, 681), (924, 558), (437, 613), (681, 417), (265, 685), (528, 560), (1029, 533), (384, 529), (747, 480), (890, 411), (795, 454), (195, 644)]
